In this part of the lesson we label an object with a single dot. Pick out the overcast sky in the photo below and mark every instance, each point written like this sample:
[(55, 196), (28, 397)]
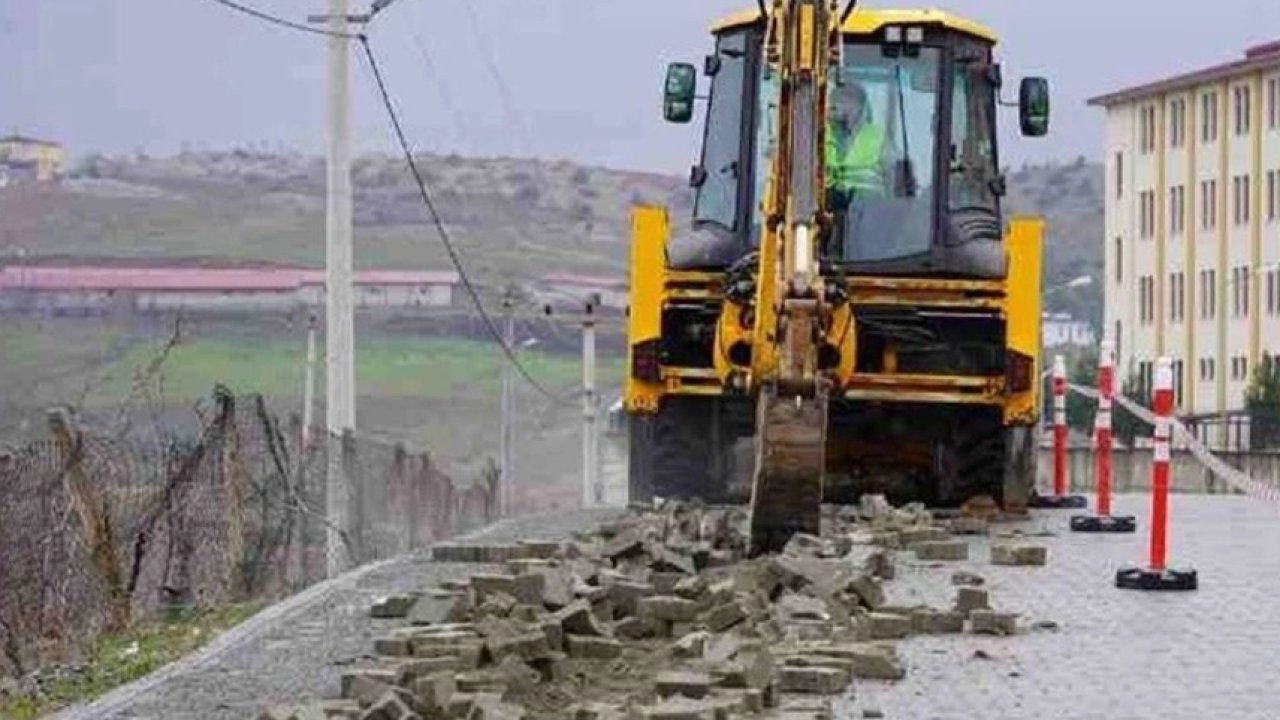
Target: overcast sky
[(582, 76)]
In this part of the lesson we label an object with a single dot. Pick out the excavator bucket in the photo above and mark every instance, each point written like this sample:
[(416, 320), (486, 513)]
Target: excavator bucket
[(786, 491)]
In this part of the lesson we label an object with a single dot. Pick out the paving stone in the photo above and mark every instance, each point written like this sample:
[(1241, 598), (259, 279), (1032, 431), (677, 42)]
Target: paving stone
[(409, 670), (812, 680), (597, 711), (484, 585), (869, 591), (392, 646), (888, 626), (989, 622), (368, 685), (674, 709), (694, 685), (725, 616), (438, 607), (390, 707), (968, 579), (392, 606), (668, 608), (922, 534), (875, 662), (968, 525), (633, 628), (691, 588), (664, 583), (942, 550), (434, 692), (578, 619), (1031, 555), (937, 622), (969, 599), (585, 646), (557, 585), (691, 645)]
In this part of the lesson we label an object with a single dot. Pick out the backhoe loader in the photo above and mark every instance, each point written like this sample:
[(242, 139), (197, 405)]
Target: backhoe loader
[(848, 312)]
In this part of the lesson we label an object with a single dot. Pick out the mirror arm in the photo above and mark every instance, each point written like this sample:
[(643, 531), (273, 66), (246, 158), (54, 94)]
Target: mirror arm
[(848, 10)]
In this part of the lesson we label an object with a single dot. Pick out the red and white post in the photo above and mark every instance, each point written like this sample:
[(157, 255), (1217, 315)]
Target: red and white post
[(1157, 575), (1060, 500), (1160, 464), (1103, 521), (1102, 427), (1059, 426)]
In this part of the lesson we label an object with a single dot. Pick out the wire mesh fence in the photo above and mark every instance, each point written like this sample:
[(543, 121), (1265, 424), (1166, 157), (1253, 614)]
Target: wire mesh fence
[(100, 528)]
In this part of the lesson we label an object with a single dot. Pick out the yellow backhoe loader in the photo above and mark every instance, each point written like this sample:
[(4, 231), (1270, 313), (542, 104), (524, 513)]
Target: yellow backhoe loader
[(848, 312)]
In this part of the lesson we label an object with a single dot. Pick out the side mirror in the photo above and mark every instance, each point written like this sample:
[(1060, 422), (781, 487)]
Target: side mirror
[(678, 93), (1033, 106)]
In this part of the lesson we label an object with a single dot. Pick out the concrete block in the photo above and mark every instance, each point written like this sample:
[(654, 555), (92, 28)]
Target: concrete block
[(921, 534), (812, 680), (438, 607), (691, 588), (942, 550), (935, 622), (392, 606), (390, 707), (969, 599), (989, 622), (585, 646), (691, 645), (868, 590), (694, 685), (392, 646), (668, 607), (888, 626), (1030, 555), (968, 525), (725, 616), (578, 619), (367, 686), (434, 692)]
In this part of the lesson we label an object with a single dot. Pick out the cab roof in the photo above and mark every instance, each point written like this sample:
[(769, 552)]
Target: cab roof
[(868, 21)]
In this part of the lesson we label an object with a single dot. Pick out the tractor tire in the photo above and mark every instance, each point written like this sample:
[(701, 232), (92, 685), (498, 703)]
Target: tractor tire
[(680, 452), (1021, 464), (973, 462)]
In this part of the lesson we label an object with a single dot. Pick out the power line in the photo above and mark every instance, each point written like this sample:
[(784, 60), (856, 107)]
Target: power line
[(504, 95), (275, 20), (446, 97), (440, 226)]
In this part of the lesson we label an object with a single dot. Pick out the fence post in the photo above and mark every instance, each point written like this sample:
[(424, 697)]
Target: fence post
[(1156, 575), (233, 474), (355, 496)]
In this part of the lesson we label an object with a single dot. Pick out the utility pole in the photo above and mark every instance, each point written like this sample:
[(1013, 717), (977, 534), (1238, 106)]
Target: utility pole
[(340, 382), (507, 431), (592, 491)]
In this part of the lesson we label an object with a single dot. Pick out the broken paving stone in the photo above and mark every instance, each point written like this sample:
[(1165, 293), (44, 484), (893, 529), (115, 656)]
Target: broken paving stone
[(667, 560), (623, 545), (935, 622), (989, 622), (868, 590), (695, 685), (1031, 555), (724, 616), (942, 550), (873, 662), (578, 619), (969, 599), (872, 507), (626, 594), (437, 607), (391, 706), (392, 606), (597, 648), (802, 607), (691, 588), (435, 691), (921, 534), (888, 626), (668, 608), (410, 670), (812, 680), (804, 544), (691, 645), (968, 579), (557, 586), (368, 685), (633, 628), (968, 525)]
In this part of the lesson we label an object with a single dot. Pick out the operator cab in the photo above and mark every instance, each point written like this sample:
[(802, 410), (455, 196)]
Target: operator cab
[(912, 105)]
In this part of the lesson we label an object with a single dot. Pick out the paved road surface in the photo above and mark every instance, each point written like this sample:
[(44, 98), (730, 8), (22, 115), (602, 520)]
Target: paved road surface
[(1119, 655)]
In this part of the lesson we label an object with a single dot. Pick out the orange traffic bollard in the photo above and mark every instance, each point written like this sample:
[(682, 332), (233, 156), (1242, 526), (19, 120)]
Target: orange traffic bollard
[(1157, 576), (1060, 500), (1104, 521)]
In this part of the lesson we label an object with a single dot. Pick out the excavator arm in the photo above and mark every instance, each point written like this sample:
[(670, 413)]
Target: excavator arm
[(792, 309)]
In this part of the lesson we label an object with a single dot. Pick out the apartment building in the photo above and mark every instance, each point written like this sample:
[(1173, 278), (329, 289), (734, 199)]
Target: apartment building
[(1193, 227)]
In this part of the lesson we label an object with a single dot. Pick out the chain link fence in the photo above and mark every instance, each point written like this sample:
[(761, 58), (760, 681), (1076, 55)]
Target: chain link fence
[(98, 529)]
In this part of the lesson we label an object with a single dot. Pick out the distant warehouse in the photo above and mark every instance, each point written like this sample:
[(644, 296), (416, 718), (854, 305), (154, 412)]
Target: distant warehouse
[(97, 290), (1193, 228)]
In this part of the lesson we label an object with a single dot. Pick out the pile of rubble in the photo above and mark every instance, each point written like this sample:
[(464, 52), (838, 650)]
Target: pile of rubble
[(660, 616)]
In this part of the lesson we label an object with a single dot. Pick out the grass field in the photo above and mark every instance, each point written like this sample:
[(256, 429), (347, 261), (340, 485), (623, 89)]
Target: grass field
[(431, 393)]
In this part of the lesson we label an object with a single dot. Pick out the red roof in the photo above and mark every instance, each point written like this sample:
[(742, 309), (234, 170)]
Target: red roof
[(1257, 57), (189, 279), (589, 281)]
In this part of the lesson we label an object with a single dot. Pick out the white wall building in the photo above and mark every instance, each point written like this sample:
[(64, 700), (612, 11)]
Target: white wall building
[(1193, 227)]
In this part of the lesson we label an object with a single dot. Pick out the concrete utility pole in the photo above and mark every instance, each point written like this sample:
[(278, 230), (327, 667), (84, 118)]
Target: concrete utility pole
[(592, 490), (507, 432), (340, 380)]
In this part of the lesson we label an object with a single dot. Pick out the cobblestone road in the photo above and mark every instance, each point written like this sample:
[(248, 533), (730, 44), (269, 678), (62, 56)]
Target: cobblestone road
[(1118, 654)]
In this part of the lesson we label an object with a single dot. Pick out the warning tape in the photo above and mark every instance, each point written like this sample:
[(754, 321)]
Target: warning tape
[(1238, 480)]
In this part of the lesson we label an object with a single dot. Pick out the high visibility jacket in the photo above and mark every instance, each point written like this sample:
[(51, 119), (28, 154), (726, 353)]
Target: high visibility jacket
[(855, 165)]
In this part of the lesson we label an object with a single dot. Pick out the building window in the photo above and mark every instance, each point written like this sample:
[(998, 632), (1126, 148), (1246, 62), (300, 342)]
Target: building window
[(1119, 175), (1240, 292), (1177, 210), (1118, 337), (1147, 129), (1271, 293), (1177, 297), (1119, 259), (1242, 100), (1177, 382), (1273, 194), (1147, 213), (1208, 204), (1209, 117), (1208, 368), (1240, 199), (1177, 123), (1273, 103)]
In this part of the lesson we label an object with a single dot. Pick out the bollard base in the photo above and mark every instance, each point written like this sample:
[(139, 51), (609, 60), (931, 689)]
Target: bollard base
[(1059, 502), (1104, 524), (1157, 580)]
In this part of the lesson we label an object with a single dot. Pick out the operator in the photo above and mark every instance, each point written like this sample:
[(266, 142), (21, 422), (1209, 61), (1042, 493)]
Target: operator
[(854, 149)]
